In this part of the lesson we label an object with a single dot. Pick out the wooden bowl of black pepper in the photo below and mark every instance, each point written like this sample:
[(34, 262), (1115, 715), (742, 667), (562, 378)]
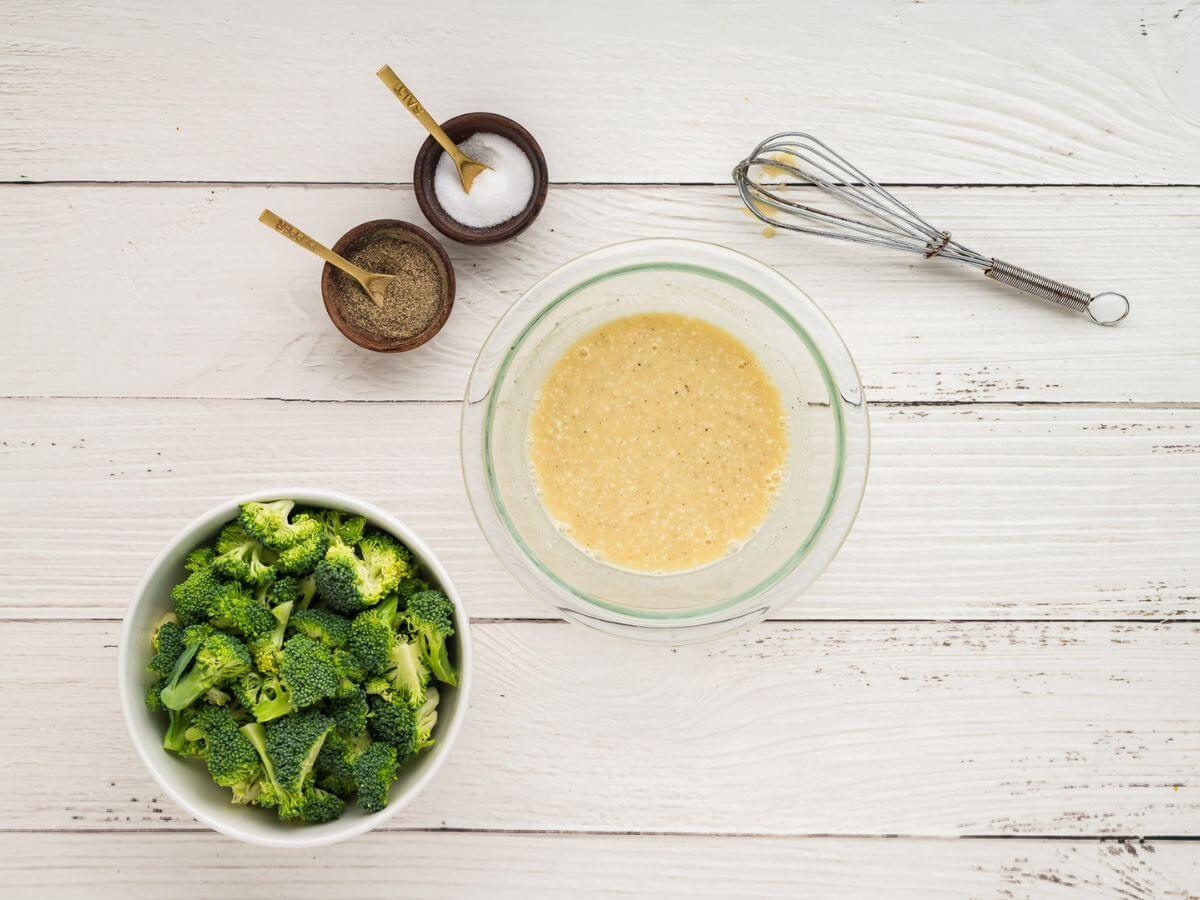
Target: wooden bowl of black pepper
[(424, 294)]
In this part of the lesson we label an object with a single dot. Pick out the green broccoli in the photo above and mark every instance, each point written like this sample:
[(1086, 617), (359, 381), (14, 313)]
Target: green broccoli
[(176, 737), (168, 646), (308, 672), (317, 806), (193, 596), (242, 558), (268, 524), (153, 700), (341, 526), (322, 625), (407, 673), (349, 582), (264, 696), (200, 558), (349, 711), (267, 649), (220, 659), (375, 769), (335, 763), (431, 616), (232, 760), (303, 556), (395, 722), (288, 749), (235, 609), (372, 635), (282, 590), (347, 667)]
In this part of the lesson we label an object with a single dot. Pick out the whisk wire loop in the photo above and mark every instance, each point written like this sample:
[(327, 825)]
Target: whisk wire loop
[(893, 223)]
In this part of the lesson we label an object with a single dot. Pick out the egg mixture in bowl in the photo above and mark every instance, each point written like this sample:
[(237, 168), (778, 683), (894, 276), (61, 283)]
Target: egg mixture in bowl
[(665, 439)]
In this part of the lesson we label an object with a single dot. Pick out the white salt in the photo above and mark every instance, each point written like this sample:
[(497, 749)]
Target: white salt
[(498, 193)]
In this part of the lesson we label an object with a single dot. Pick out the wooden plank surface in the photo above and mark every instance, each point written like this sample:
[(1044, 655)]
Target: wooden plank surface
[(179, 291), (387, 865), (675, 92), (1101, 506), (1064, 729)]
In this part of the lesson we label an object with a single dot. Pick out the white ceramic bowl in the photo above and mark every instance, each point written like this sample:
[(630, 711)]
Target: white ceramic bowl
[(186, 780)]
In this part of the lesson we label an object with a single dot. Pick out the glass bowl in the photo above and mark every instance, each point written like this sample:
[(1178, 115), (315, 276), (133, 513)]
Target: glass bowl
[(827, 421)]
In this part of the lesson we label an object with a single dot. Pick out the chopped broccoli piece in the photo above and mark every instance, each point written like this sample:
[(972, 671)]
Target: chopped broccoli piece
[(264, 696), (176, 740), (282, 590), (347, 667), (232, 760), (317, 806), (153, 700), (193, 596), (200, 558), (372, 635), (335, 763), (242, 558), (288, 748), (267, 650), (375, 769), (168, 646), (407, 673), (431, 617), (349, 582), (303, 556), (349, 712), (341, 526), (322, 625), (268, 524), (308, 671), (236, 609), (219, 660), (308, 590), (396, 722)]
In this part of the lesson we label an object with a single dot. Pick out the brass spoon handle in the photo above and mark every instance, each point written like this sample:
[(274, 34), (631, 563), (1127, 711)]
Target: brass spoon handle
[(294, 234), (413, 105)]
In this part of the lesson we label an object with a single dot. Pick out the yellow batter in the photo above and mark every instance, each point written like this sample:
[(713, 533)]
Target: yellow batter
[(658, 442)]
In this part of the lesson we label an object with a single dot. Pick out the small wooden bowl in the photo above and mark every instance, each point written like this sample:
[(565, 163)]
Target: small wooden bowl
[(459, 129), (405, 231)]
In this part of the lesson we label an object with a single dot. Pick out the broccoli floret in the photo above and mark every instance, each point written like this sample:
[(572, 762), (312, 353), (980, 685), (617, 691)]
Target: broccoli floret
[(234, 608), (308, 671), (396, 722), (200, 558), (288, 748), (409, 586), (372, 634), (347, 667), (322, 625), (374, 771), (232, 760), (407, 674), (317, 806), (268, 524), (349, 712), (302, 557), (282, 590), (349, 582), (267, 650), (194, 596), (153, 700), (168, 646), (176, 740), (220, 659), (335, 763), (264, 696), (242, 558), (341, 526), (214, 696), (430, 614)]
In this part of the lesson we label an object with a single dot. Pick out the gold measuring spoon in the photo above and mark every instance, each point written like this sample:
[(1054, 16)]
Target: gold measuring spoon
[(468, 168), (374, 284)]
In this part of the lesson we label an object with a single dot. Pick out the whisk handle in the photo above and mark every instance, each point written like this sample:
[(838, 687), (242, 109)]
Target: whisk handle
[(1056, 292)]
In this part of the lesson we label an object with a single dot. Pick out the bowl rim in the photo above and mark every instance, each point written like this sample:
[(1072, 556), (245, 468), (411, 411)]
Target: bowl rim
[(447, 733), (521, 317)]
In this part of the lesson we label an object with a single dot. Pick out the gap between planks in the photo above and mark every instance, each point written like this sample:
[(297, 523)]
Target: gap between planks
[(592, 184)]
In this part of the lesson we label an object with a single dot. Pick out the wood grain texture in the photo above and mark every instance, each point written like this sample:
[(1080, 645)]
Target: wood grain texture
[(178, 291), (664, 92), (970, 512), (380, 866), (821, 728)]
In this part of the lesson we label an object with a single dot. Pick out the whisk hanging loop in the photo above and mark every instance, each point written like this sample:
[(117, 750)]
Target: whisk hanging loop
[(891, 224)]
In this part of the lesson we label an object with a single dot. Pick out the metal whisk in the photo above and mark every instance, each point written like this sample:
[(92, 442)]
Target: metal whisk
[(895, 225)]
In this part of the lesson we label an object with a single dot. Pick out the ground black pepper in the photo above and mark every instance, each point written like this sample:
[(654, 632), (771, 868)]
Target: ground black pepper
[(413, 299)]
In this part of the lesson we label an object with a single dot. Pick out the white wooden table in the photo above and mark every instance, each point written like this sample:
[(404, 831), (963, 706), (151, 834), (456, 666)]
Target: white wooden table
[(995, 688)]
